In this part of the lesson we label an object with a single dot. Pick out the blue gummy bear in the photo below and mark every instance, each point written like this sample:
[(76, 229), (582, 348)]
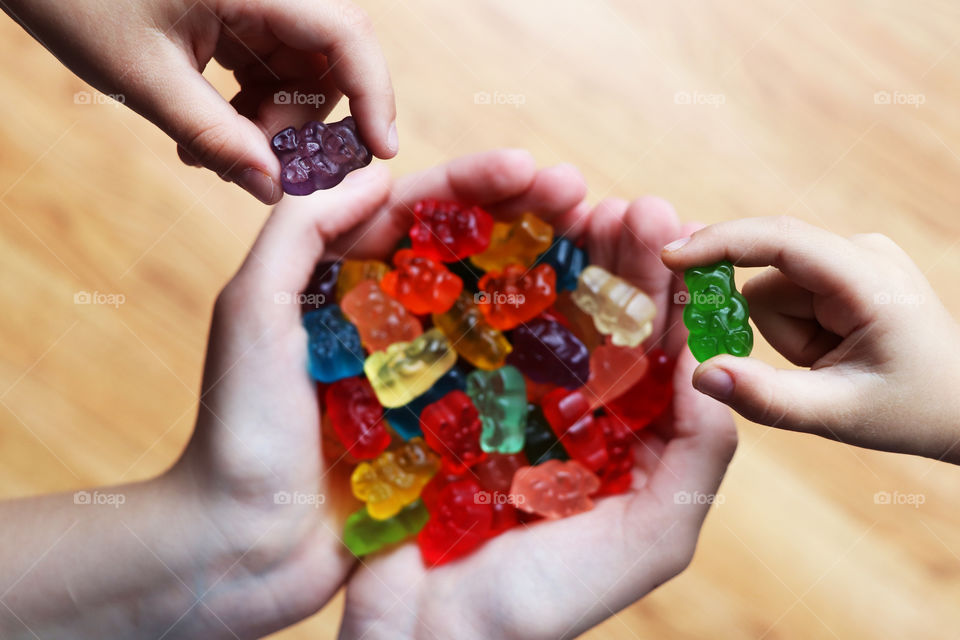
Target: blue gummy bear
[(333, 345), (567, 260), (405, 420)]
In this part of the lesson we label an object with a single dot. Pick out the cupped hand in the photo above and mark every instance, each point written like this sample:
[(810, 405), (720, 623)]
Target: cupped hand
[(292, 58), (556, 579)]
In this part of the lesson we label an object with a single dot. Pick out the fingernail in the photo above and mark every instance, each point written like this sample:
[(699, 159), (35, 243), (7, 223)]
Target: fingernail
[(393, 138), (677, 244), (716, 383), (259, 184)]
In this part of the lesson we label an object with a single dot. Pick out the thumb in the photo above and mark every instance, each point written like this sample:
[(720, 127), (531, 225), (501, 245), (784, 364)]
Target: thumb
[(208, 130), (798, 400)]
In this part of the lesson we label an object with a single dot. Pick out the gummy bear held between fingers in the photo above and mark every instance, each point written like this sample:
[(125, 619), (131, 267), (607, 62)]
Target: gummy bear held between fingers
[(319, 156), (717, 314)]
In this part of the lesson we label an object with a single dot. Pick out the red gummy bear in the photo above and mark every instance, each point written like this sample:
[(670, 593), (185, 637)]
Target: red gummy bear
[(615, 476), (571, 416), (458, 524), (516, 294), (554, 489), (495, 475), (357, 417), (645, 401), (451, 426), (421, 284), (449, 231)]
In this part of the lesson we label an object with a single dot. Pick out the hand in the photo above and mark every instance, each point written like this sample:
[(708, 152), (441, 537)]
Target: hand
[(152, 53), (878, 348), (558, 578)]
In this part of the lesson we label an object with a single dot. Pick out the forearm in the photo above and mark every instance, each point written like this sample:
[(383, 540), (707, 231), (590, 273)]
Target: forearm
[(119, 562)]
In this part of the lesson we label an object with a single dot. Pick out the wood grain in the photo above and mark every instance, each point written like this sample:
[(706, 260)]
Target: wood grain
[(782, 119)]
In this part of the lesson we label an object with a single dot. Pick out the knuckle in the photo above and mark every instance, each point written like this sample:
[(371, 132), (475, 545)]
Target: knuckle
[(787, 225), (209, 146)]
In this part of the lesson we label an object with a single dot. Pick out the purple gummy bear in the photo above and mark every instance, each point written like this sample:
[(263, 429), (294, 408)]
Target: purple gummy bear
[(546, 351), (319, 156)]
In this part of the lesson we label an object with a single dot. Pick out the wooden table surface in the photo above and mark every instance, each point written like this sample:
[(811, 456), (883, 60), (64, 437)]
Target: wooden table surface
[(841, 113)]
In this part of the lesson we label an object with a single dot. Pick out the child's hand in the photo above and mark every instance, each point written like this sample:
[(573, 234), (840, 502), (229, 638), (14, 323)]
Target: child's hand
[(883, 353), (557, 579), (152, 52)]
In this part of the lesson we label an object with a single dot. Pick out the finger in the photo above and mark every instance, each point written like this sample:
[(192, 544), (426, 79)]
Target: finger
[(798, 400), (817, 260), (173, 95), (603, 231), (553, 192), (573, 223), (783, 312), (483, 178), (344, 33), (648, 224), (675, 338), (295, 237)]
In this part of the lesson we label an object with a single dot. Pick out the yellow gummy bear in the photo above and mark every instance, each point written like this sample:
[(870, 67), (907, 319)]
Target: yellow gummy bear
[(406, 370), (618, 308), (517, 242), (395, 478), (353, 272)]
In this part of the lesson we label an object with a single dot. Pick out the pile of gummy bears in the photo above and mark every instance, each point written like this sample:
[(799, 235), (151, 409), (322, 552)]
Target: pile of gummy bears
[(489, 377)]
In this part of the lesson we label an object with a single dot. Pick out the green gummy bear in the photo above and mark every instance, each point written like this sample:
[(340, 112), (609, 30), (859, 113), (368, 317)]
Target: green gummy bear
[(363, 534), (500, 397), (717, 314)]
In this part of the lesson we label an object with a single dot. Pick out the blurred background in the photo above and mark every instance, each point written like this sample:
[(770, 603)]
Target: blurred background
[(840, 113)]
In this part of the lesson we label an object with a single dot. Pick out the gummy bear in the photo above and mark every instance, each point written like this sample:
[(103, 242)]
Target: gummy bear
[(613, 370), (451, 426), (645, 401), (495, 475), (540, 443), (353, 272), (517, 242), (571, 417), (546, 351), (516, 294), (579, 322), (449, 231), (458, 524), (567, 260), (536, 390), (500, 397), (321, 290), (356, 417), (421, 284), (619, 309), (405, 420), (406, 370), (554, 489), (363, 534), (470, 334), (333, 348), (615, 476), (394, 478), (379, 319), (717, 315), (318, 156)]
